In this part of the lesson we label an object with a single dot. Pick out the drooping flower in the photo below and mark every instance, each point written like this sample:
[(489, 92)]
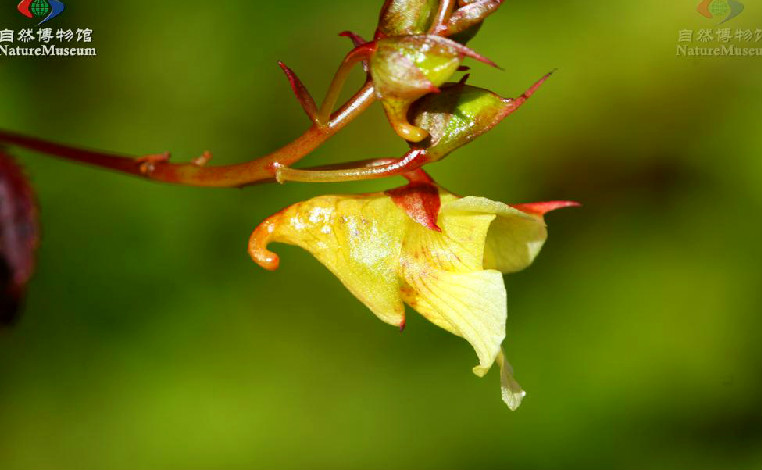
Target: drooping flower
[(451, 274)]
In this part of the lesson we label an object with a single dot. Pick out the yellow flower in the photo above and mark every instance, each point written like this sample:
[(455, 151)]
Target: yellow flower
[(453, 277)]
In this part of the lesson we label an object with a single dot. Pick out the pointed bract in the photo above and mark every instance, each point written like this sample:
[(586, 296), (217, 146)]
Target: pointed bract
[(302, 95)]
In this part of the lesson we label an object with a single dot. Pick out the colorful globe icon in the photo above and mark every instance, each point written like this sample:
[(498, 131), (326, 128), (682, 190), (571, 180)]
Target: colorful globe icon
[(45, 9), (40, 8)]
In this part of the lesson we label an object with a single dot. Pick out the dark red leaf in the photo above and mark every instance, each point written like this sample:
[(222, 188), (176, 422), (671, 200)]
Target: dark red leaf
[(18, 237)]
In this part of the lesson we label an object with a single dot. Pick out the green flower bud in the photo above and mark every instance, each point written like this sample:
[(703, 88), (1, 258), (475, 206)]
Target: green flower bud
[(411, 66), (466, 21), (406, 17), (459, 114)]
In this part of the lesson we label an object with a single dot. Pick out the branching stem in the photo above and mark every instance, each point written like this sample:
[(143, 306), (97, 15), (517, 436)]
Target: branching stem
[(157, 168)]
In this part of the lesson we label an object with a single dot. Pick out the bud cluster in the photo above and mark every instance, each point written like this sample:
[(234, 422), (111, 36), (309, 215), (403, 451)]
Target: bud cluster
[(414, 57), (418, 46)]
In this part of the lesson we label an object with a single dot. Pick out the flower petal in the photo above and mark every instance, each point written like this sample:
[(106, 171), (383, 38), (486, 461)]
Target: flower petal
[(514, 239), (470, 305), (459, 247), (511, 390), (358, 238)]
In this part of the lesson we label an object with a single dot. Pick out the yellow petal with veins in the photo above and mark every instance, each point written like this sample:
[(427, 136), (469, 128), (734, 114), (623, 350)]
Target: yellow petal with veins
[(357, 238), (445, 276), (470, 305), (514, 238)]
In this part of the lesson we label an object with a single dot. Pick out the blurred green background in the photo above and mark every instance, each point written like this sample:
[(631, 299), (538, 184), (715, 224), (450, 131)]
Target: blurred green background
[(150, 340)]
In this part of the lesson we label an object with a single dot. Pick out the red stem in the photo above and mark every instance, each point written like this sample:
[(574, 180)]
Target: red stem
[(189, 174)]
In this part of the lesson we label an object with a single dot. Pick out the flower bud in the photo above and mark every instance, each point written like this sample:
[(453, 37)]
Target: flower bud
[(408, 67), (406, 17), (456, 116), (459, 114), (466, 20)]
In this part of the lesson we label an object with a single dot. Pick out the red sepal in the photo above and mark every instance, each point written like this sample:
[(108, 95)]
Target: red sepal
[(420, 200), (542, 208)]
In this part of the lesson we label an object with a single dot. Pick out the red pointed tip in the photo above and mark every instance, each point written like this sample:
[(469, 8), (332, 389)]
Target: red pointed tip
[(514, 104), (402, 326), (538, 84), (292, 78), (476, 56), (357, 40), (542, 208), (464, 51)]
